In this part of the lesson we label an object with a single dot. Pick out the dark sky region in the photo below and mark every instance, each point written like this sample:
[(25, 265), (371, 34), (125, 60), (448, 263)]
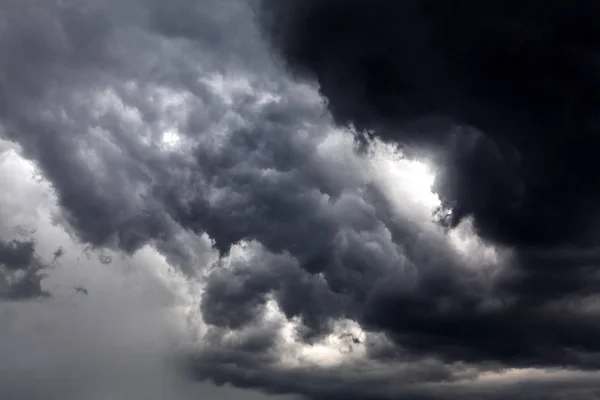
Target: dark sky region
[(299, 199)]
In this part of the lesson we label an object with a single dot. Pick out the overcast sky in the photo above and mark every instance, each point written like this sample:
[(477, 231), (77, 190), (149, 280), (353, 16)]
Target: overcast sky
[(299, 199)]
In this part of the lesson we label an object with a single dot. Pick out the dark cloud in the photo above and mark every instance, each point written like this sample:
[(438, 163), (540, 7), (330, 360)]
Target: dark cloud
[(523, 76), (21, 273), (16, 254), (71, 52), (503, 96), (159, 125)]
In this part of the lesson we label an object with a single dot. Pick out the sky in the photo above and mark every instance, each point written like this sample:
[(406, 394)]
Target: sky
[(299, 199)]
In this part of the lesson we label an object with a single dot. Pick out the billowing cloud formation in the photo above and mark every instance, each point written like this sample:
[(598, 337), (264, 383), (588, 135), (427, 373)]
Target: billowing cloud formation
[(320, 269), (504, 95), (522, 76)]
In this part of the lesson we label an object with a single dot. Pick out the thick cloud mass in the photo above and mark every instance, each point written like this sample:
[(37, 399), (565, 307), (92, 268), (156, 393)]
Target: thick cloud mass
[(508, 91), (197, 203), (504, 96)]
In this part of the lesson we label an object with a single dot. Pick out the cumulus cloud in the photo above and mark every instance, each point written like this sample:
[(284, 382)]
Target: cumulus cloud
[(201, 200)]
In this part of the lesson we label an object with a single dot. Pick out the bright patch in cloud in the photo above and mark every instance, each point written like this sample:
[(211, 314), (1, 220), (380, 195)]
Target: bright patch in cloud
[(407, 182), (170, 140)]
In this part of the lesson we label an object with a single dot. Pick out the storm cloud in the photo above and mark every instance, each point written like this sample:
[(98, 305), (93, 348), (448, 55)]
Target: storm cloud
[(507, 91), (324, 199), (503, 96)]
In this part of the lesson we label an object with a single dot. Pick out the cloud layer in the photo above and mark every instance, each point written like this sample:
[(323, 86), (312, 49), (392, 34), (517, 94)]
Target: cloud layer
[(219, 217)]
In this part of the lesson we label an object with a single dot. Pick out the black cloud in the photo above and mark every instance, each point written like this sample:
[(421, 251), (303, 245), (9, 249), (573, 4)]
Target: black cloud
[(507, 91)]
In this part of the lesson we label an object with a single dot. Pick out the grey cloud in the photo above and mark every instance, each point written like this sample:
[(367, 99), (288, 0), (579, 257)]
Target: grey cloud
[(16, 255), (52, 74), (521, 75), (21, 272), (118, 341), (91, 92)]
